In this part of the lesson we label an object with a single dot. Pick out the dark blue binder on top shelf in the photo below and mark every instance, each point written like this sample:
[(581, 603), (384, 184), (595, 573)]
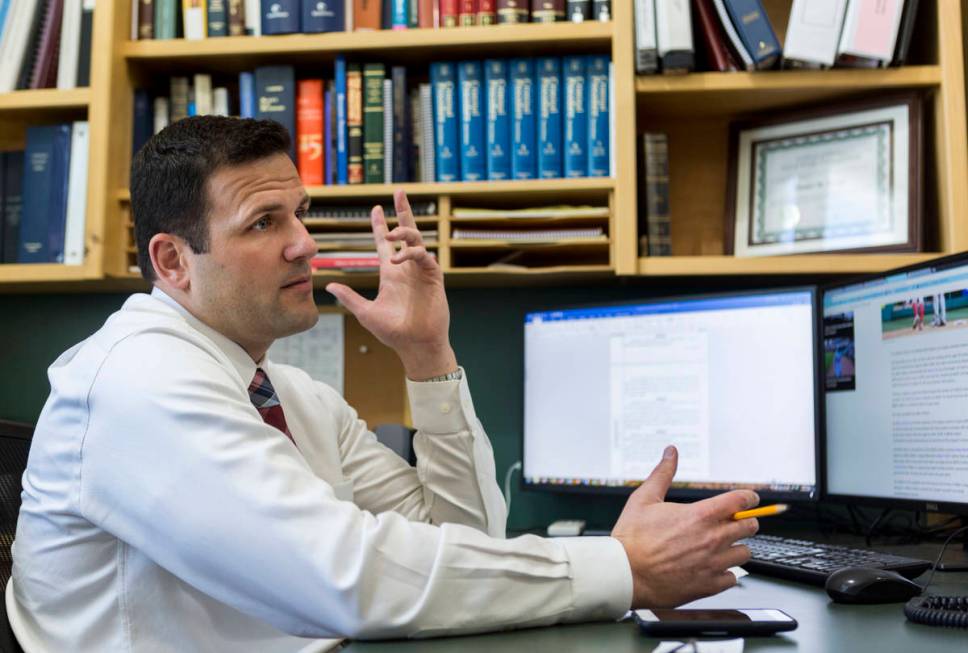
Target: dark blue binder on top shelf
[(524, 162), (575, 137), (12, 199), (46, 164), (275, 93), (280, 16), (323, 16), (549, 117), (498, 119), (443, 81), (755, 31), (472, 151)]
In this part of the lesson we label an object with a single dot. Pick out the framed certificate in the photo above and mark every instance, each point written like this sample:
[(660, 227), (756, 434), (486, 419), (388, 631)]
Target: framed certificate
[(827, 180)]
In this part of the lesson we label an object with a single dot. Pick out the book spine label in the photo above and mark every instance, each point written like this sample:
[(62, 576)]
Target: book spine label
[(498, 120), (448, 13), (276, 99), (146, 19), (236, 18), (246, 95), (472, 153), (280, 17), (218, 18), (598, 135), (342, 146), (401, 125), (486, 12), (549, 117), (309, 131), (523, 159), (512, 11), (575, 140), (373, 150), (322, 16), (13, 180), (443, 80), (547, 11), (354, 123)]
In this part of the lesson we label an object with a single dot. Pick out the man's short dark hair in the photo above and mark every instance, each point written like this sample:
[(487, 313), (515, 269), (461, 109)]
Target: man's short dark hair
[(170, 174)]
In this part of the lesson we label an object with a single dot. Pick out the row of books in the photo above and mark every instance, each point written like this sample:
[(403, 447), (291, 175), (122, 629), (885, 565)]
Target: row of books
[(738, 35), (52, 173), (525, 118), (45, 43), (199, 19)]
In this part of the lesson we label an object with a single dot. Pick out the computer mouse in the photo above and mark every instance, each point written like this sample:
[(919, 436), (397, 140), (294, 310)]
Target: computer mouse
[(866, 585)]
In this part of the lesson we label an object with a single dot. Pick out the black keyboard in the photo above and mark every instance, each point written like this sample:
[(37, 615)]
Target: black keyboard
[(811, 562)]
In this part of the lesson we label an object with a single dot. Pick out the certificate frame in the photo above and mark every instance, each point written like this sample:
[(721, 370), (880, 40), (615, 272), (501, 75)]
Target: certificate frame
[(871, 144)]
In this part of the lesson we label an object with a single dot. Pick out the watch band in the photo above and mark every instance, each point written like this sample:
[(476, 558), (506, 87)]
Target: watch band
[(456, 375)]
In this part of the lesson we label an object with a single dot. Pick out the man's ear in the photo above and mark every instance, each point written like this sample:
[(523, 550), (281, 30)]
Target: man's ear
[(168, 256)]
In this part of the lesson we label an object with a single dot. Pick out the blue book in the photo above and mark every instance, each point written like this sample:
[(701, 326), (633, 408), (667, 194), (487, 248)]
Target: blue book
[(12, 203), (472, 153), (342, 150), (400, 14), (754, 30), (330, 151), (280, 16), (524, 163), (4, 7), (46, 163), (144, 122), (549, 117), (498, 119), (275, 91), (246, 95), (323, 16), (598, 136), (575, 137), (443, 81)]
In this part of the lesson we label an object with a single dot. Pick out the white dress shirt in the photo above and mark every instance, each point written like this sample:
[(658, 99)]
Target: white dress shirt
[(160, 513)]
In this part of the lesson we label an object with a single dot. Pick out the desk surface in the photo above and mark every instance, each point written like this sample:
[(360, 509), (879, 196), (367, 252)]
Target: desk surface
[(824, 626)]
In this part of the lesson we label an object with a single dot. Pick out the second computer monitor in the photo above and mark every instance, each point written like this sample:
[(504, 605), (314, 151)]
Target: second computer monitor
[(731, 380)]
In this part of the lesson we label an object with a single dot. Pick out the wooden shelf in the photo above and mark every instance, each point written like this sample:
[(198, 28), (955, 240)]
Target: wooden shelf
[(31, 272), (805, 264), (564, 243), (45, 99), (701, 94), (239, 52)]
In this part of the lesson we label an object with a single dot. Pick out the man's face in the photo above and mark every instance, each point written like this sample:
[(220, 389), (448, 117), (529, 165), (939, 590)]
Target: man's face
[(255, 283)]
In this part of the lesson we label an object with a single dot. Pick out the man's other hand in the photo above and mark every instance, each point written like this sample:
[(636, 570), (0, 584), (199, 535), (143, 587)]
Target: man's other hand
[(681, 552), (410, 312)]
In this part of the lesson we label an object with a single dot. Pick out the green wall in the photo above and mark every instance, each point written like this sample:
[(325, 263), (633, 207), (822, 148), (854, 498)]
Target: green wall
[(486, 330)]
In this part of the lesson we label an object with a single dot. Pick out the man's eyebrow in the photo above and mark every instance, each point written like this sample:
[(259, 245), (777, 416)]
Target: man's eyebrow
[(276, 206)]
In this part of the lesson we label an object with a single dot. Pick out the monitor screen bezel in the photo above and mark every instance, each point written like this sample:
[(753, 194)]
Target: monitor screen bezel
[(952, 260), (692, 494)]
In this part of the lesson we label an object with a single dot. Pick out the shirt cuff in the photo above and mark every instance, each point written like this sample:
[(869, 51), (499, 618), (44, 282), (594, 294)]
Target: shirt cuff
[(601, 577), (441, 407)]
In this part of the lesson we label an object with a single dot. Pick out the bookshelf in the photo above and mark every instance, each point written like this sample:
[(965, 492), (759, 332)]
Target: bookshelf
[(694, 109)]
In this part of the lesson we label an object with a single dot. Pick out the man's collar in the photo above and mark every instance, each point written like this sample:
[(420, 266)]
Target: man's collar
[(241, 360)]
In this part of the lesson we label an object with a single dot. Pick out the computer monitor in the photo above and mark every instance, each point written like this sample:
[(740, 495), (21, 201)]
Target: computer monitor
[(896, 378), (731, 379)]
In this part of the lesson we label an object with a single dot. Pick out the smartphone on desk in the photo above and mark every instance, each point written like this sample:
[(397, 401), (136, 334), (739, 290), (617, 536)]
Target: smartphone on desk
[(662, 622)]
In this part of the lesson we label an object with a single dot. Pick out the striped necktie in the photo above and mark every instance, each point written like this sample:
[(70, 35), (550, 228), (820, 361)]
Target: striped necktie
[(266, 401)]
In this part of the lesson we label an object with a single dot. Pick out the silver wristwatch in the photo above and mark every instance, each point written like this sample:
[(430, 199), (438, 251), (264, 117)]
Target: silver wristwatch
[(456, 375)]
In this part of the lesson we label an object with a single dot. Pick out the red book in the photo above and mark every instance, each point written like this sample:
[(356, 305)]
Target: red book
[(468, 13), (486, 12), (47, 46), (363, 261), (367, 14), (718, 55), (428, 13), (448, 13), (309, 131)]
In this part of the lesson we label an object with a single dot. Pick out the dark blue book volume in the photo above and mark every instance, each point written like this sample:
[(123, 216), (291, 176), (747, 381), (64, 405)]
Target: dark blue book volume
[(275, 90), (524, 163), (323, 16), (498, 119), (473, 160), (443, 81), (12, 199), (402, 126), (246, 95), (597, 106), (218, 18), (46, 162), (280, 16), (575, 137), (549, 117), (144, 122), (342, 148), (755, 31)]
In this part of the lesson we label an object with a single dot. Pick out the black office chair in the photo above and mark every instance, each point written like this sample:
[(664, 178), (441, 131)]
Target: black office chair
[(14, 447)]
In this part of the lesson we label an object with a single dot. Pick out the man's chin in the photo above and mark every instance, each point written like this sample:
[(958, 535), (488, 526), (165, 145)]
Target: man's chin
[(298, 322)]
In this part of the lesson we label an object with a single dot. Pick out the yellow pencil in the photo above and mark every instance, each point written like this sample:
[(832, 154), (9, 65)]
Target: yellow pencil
[(765, 511)]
